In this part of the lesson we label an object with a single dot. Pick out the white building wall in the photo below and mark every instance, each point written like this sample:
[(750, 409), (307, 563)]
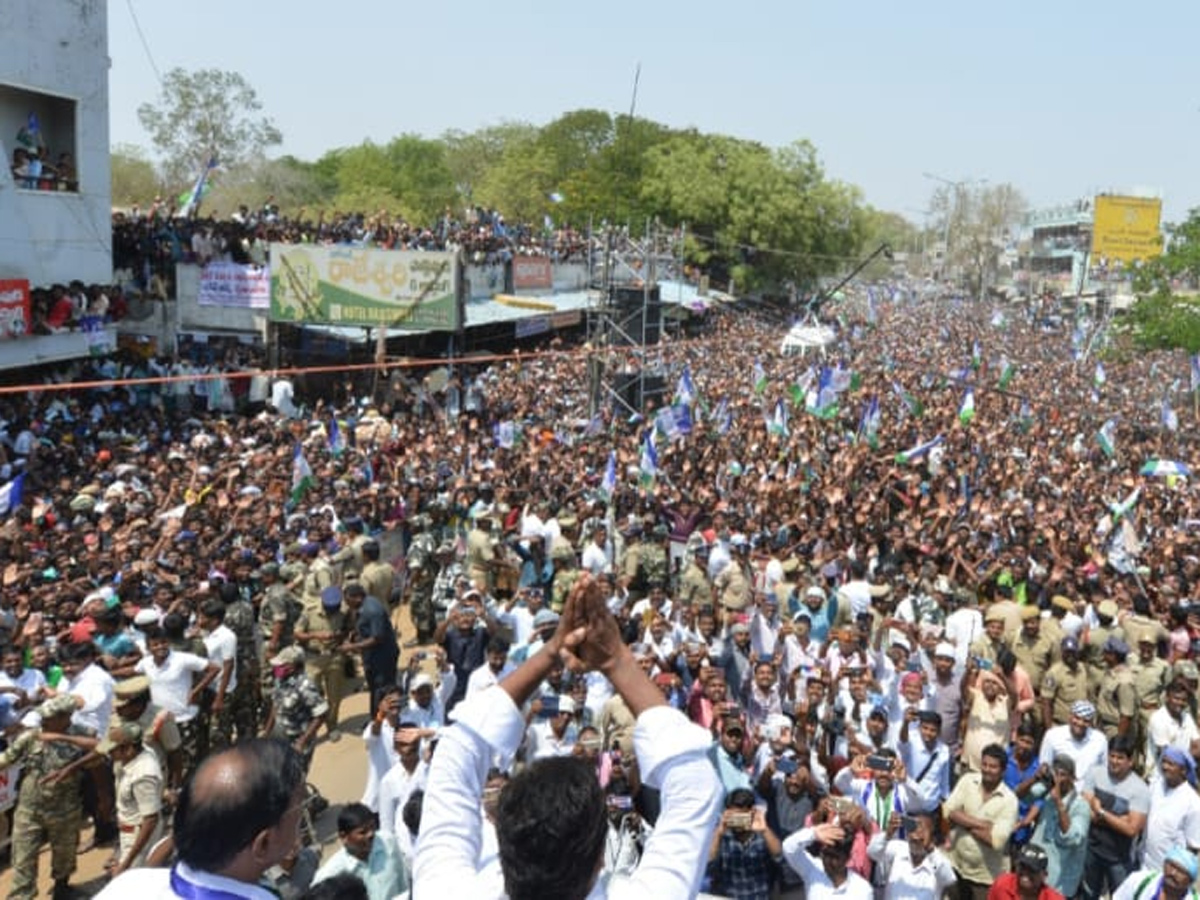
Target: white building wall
[(57, 48)]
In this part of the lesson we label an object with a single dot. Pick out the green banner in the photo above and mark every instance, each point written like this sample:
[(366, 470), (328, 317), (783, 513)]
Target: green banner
[(403, 289)]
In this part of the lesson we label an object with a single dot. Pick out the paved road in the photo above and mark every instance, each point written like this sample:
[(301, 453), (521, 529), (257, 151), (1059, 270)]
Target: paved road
[(338, 771)]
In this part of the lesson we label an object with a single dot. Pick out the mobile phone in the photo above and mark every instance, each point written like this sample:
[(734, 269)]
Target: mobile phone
[(913, 665), (877, 763), (786, 764), (549, 708), (620, 801), (984, 664), (910, 824), (740, 821)]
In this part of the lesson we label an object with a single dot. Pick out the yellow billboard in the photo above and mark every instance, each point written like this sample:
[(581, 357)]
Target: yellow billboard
[(1126, 228)]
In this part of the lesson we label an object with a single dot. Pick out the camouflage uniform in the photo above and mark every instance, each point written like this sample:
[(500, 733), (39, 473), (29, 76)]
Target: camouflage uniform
[(50, 812), (565, 574), (297, 701), (443, 586), (421, 573), (241, 709), (279, 605), (695, 590)]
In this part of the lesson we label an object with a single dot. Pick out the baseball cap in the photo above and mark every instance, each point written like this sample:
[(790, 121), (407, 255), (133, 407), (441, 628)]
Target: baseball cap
[(1033, 857)]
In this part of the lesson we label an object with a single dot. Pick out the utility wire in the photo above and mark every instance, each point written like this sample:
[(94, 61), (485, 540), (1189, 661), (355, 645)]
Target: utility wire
[(142, 37)]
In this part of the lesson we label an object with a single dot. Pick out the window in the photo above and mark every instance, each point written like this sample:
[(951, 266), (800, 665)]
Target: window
[(38, 131)]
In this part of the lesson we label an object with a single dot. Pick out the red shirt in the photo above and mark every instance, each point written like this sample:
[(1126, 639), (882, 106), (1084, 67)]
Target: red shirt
[(1005, 888)]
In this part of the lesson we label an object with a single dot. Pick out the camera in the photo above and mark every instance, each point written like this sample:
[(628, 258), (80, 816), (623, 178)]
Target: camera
[(740, 821)]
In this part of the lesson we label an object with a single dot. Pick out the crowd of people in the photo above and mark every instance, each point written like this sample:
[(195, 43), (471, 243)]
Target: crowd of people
[(834, 630)]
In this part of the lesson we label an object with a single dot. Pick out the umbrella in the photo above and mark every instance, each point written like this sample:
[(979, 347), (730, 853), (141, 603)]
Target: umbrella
[(1165, 468)]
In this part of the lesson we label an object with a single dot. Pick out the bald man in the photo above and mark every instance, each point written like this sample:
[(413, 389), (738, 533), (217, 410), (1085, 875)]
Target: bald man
[(238, 815)]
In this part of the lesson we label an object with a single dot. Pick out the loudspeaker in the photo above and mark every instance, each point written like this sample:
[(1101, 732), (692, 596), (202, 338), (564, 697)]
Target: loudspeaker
[(638, 316), (636, 392)]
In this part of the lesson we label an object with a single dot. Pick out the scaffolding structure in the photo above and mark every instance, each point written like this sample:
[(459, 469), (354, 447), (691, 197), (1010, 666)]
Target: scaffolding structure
[(624, 317)]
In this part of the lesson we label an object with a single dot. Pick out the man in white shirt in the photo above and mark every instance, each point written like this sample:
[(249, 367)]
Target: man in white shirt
[(1077, 739), (93, 688), (221, 644), (557, 803), (495, 667), (27, 687), (553, 733), (913, 868), (926, 758), (409, 774), (1174, 817), (829, 875), (1171, 725), (596, 558)]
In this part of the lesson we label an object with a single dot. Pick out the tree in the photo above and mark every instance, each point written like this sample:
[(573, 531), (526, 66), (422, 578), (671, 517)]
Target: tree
[(470, 156), (977, 222), (1166, 314), (134, 178), (204, 115)]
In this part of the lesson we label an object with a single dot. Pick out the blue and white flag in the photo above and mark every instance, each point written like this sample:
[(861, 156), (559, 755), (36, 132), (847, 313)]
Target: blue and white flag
[(685, 391), (777, 423), (915, 453), (11, 494), (673, 422), (189, 201), (1100, 377), (302, 476), (608, 484), (1107, 438), (337, 443), (648, 466), (868, 426), (723, 416), (759, 382), (505, 434), (1194, 364), (1169, 419)]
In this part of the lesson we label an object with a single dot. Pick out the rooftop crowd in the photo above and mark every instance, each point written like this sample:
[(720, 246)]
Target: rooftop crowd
[(796, 649)]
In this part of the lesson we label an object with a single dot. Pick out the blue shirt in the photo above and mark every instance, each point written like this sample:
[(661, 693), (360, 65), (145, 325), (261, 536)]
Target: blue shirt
[(383, 872), (1013, 776)]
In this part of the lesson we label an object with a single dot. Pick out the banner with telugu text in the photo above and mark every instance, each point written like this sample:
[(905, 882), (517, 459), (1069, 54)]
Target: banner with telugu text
[(234, 285), (14, 308), (352, 286)]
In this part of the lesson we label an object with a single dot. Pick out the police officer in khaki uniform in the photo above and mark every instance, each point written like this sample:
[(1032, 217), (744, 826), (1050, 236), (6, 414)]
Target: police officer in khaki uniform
[(160, 732), (378, 578), (988, 645), (566, 573), (733, 582), (139, 795), (1116, 696), (695, 590), (1065, 682), (480, 558), (1032, 649), (1150, 674), (1052, 625), (1092, 646), (320, 632), (350, 558), (318, 573)]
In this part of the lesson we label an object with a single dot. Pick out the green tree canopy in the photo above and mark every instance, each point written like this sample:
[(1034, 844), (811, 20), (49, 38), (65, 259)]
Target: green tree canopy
[(205, 114), (1166, 314)]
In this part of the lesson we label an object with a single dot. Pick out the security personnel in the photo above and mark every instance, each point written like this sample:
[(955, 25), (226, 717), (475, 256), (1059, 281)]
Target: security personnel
[(1065, 682), (732, 583), (139, 795), (695, 589), (986, 648), (277, 612), (297, 706), (1052, 626), (49, 805), (421, 562), (1116, 696), (320, 632), (1092, 646), (378, 578), (1032, 649), (654, 559), (629, 558), (160, 732), (1150, 676), (481, 554), (566, 573), (318, 573), (351, 558)]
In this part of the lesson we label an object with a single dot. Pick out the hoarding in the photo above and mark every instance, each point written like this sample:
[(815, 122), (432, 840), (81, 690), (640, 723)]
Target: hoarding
[(401, 289), (14, 308), (231, 284), (532, 273), (1126, 228)]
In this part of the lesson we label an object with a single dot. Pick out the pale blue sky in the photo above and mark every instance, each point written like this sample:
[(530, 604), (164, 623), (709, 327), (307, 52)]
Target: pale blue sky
[(1062, 98)]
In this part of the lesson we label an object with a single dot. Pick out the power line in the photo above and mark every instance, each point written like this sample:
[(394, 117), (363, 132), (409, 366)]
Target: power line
[(142, 37)]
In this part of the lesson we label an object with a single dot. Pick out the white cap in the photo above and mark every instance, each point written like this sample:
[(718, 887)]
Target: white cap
[(944, 649), (420, 680)]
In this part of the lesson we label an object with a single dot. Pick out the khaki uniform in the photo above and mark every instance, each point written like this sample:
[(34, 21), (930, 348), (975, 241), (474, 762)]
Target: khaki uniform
[(1052, 631), (1062, 687), (1116, 696), (984, 648), (139, 794), (564, 580), (1034, 654), (733, 587), (378, 580), (1150, 681), (479, 558), (1090, 650), (323, 664), (1137, 625), (350, 558), (160, 733), (319, 575), (694, 587)]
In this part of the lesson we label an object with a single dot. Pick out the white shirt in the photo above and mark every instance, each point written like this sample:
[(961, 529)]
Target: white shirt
[(98, 691), (817, 885), (671, 754), (32, 682), (1164, 731), (155, 884), (171, 683), (1144, 884), (221, 644), (542, 742), (483, 678), (381, 756), (595, 559), (394, 790), (1173, 820), (1091, 751), (904, 881)]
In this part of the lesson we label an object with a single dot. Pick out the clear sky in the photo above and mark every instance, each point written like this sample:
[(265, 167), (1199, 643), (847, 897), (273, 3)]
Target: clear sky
[(1061, 98)]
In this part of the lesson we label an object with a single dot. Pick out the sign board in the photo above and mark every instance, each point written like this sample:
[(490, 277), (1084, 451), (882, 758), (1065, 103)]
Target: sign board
[(401, 289), (231, 284), (14, 308), (532, 273), (533, 325), (1126, 228)]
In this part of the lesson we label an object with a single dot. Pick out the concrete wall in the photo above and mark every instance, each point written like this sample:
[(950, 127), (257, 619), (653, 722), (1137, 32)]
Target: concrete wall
[(57, 48), (191, 316)]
